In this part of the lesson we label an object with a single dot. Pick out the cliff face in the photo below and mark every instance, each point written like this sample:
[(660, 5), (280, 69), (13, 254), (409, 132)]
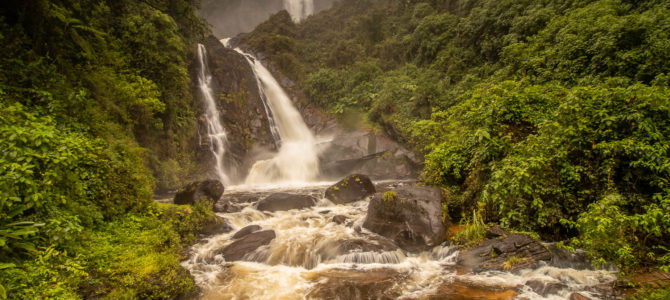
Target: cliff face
[(241, 108)]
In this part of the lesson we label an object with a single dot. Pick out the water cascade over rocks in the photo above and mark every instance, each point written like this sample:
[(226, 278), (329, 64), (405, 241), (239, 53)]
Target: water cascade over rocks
[(290, 241), (304, 254), (297, 159), (215, 132)]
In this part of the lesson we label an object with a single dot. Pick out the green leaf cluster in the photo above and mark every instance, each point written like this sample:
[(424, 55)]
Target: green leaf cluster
[(553, 115)]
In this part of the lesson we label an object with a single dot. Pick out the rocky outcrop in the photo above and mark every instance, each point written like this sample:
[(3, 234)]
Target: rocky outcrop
[(352, 188), (245, 231), (247, 244), (508, 253), (285, 201), (367, 152), (241, 109), (208, 190), (411, 216)]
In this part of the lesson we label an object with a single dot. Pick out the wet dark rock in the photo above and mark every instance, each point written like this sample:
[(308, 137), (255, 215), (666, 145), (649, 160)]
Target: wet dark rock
[(358, 229), (357, 284), (513, 252), (495, 232), (578, 296), (352, 188), (246, 230), (218, 226), (562, 258), (247, 244), (545, 288), (339, 219), (411, 216), (339, 168), (207, 190), (464, 290), (285, 201), (225, 206), (370, 244), (324, 212)]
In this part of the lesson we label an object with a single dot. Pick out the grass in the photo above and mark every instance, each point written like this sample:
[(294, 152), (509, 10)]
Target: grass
[(474, 230)]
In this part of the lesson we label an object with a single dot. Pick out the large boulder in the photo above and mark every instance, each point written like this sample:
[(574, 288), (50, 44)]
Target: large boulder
[(411, 216), (207, 190), (285, 201), (246, 231), (352, 188), (247, 244), (508, 253)]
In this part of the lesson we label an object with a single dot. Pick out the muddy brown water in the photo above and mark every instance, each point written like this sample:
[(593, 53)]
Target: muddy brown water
[(300, 262)]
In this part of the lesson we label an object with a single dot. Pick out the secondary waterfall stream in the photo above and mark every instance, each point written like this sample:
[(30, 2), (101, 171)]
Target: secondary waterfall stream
[(215, 132)]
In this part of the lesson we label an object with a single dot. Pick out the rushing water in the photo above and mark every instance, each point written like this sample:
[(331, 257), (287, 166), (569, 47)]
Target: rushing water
[(299, 9), (306, 261), (215, 132), (296, 159)]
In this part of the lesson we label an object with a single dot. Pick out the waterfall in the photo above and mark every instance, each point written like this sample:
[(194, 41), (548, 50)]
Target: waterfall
[(296, 159), (299, 9), (215, 132)]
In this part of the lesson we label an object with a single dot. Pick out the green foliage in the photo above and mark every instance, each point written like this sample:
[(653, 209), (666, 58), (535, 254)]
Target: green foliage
[(539, 110), (652, 294), (94, 98), (132, 257), (474, 230)]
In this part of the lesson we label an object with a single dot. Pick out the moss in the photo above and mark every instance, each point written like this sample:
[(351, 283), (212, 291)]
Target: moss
[(389, 197), (511, 262)]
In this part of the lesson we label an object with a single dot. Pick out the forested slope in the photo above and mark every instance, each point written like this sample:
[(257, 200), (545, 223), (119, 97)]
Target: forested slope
[(546, 116), (95, 109)]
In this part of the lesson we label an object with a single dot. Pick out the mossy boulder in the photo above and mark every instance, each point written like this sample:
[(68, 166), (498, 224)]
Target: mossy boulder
[(410, 215), (199, 191), (352, 188)]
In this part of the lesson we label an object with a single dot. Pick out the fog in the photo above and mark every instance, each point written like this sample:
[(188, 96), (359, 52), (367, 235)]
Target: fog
[(229, 18)]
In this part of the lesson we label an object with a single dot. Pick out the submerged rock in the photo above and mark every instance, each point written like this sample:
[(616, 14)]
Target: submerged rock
[(545, 288), (513, 252), (380, 283), (208, 190), (411, 216), (247, 244), (245, 231), (285, 201), (352, 188), (339, 219)]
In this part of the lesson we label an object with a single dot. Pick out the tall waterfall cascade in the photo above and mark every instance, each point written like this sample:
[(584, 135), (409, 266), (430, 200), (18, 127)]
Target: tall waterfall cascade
[(296, 160), (299, 9), (218, 139)]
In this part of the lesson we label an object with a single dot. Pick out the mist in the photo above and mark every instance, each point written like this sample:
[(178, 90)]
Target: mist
[(229, 18)]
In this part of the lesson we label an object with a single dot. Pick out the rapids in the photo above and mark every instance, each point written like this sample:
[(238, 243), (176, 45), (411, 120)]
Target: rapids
[(300, 262)]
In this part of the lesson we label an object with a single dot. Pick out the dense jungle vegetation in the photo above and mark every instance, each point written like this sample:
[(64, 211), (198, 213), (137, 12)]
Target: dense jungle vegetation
[(548, 116), (95, 109)]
